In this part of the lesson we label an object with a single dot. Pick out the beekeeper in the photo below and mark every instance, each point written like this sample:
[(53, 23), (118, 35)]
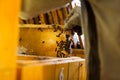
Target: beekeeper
[(100, 20)]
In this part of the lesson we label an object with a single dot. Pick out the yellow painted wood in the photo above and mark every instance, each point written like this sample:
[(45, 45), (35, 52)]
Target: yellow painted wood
[(19, 57), (30, 21), (36, 72), (58, 70), (73, 71), (38, 26), (36, 20), (60, 16), (65, 12), (42, 19), (40, 42), (78, 52), (9, 12), (21, 21), (55, 17), (50, 18), (8, 74), (27, 21), (82, 71)]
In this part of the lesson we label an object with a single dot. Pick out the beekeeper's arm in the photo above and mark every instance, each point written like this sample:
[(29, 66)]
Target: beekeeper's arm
[(73, 19)]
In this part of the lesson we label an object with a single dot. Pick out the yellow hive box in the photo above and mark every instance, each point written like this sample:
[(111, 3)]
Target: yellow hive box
[(9, 11), (40, 39), (41, 70), (36, 71), (59, 68), (8, 74), (72, 68), (82, 71), (73, 71)]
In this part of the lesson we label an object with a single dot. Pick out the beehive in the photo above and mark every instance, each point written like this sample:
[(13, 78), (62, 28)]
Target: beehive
[(40, 40)]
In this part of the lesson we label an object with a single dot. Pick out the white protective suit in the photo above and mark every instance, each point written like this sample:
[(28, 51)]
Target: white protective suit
[(100, 20), (73, 18), (101, 25)]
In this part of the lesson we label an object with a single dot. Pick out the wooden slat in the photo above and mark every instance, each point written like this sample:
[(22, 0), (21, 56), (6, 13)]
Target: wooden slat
[(37, 26), (82, 71), (21, 21), (46, 17), (58, 70), (42, 18), (60, 15), (50, 18), (55, 17), (33, 20), (30, 21), (24, 21), (27, 22), (65, 11), (37, 20), (78, 53), (73, 71)]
